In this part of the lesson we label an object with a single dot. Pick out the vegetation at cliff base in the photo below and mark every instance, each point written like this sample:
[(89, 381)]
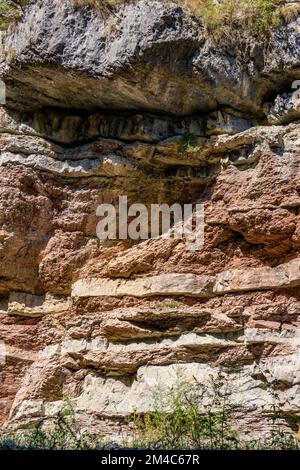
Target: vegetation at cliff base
[(188, 415), (204, 416)]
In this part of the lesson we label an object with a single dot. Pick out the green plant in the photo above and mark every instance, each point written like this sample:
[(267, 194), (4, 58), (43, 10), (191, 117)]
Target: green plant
[(178, 421), (219, 17), (225, 17), (187, 416), (203, 416), (172, 304), (11, 11), (60, 434), (189, 144)]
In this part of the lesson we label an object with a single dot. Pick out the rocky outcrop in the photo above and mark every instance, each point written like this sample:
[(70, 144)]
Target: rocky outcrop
[(143, 104), (151, 55), (191, 285)]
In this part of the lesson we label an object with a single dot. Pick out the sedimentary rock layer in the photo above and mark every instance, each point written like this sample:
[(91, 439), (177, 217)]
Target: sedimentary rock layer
[(190, 285)]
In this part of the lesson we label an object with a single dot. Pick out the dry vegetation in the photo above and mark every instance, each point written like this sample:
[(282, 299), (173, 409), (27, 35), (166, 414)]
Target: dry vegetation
[(10, 11), (178, 421), (222, 17), (219, 17), (102, 6)]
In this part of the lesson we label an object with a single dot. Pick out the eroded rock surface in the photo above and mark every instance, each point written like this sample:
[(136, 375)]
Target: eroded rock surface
[(144, 105), (152, 56)]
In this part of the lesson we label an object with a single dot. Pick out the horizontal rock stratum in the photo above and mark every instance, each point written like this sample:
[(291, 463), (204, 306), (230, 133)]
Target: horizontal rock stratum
[(283, 276), (144, 103)]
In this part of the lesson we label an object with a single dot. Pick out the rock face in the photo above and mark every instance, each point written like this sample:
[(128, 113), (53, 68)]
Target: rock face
[(143, 105), (150, 56)]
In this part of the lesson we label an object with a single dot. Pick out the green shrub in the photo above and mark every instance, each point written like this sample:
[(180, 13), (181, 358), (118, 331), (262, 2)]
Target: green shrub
[(61, 434), (219, 17), (186, 416), (203, 417), (179, 422), (253, 16), (189, 145)]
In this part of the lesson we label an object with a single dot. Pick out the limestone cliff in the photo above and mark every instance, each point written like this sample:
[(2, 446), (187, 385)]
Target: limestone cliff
[(101, 107)]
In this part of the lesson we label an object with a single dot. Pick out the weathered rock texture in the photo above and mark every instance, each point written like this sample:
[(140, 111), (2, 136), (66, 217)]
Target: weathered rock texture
[(97, 109)]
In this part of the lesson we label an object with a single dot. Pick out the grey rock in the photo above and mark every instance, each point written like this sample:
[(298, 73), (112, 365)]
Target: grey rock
[(72, 129), (227, 122), (150, 56), (284, 109)]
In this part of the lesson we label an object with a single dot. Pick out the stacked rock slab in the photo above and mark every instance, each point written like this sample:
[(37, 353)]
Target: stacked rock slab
[(143, 104)]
